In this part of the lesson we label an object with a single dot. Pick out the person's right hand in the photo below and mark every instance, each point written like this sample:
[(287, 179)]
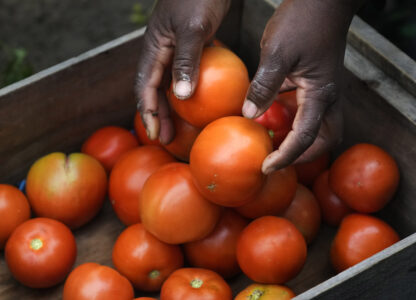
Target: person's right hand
[(175, 36)]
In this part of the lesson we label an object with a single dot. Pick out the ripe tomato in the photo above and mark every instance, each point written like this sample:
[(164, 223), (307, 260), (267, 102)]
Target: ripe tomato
[(365, 177), (217, 251), (195, 284), (128, 176), (265, 292), (14, 210), (221, 89), (144, 298), (307, 172), (40, 252), (271, 250), (359, 237), (304, 212), (108, 143), (70, 188), (226, 160), (141, 132), (172, 209), (93, 281), (333, 209), (143, 259), (275, 195), (288, 100)]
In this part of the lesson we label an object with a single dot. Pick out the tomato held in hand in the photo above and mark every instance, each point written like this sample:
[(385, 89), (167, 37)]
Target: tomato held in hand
[(143, 259), (93, 281), (307, 172), (14, 210), (226, 160), (217, 251), (271, 250), (108, 143), (40, 252), (195, 284), (128, 176), (70, 188), (265, 292), (365, 177), (221, 89), (359, 237)]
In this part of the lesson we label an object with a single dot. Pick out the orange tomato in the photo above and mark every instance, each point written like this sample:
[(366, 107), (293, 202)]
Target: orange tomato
[(265, 292)]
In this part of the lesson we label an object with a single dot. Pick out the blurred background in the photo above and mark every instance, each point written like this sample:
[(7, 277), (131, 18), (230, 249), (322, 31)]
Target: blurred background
[(36, 34)]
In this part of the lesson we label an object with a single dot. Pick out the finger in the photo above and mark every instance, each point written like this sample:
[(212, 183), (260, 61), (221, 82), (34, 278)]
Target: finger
[(287, 85), (167, 131)]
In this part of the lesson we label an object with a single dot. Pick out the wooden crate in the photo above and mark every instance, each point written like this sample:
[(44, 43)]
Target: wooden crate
[(56, 109)]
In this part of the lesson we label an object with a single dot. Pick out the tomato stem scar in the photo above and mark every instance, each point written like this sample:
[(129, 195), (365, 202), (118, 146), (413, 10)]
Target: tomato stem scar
[(154, 274), (36, 244), (196, 283), (256, 294)]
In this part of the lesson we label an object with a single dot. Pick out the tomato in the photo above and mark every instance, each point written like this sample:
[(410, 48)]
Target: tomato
[(128, 176), (274, 197), (172, 209), (304, 212), (217, 251), (40, 252), (307, 172), (144, 298), (365, 177), (333, 209), (70, 188), (271, 250), (195, 284), (14, 210), (359, 237), (289, 101), (221, 89), (108, 143), (143, 259), (93, 281), (226, 160), (265, 292), (141, 132)]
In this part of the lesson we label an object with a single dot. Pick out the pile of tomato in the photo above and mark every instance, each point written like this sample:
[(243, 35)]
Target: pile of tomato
[(197, 211)]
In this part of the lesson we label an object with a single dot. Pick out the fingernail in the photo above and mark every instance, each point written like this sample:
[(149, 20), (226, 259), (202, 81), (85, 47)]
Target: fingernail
[(249, 109), (148, 133), (183, 89)]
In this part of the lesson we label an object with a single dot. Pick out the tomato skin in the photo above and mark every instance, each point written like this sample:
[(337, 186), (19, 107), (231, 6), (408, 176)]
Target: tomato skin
[(40, 252), (128, 177), (304, 212), (143, 259), (265, 292), (14, 210), (172, 209), (271, 250), (70, 188), (274, 197), (141, 132), (289, 101), (178, 286), (225, 148), (359, 237), (333, 209), (365, 177), (221, 89), (93, 281), (307, 172), (217, 251)]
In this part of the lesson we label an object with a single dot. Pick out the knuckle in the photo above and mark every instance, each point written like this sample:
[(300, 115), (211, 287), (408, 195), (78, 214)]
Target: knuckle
[(327, 94), (305, 138), (261, 90), (198, 26)]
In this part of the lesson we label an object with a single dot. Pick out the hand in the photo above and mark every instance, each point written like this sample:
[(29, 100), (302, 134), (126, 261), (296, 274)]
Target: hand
[(176, 35), (303, 46)]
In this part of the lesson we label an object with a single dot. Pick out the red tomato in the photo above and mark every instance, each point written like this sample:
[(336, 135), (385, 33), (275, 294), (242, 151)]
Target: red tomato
[(143, 259), (359, 237), (217, 251), (226, 160), (304, 212), (70, 188), (288, 100), (172, 209), (274, 197), (309, 171), (365, 177), (265, 292), (333, 209), (107, 144), (40, 252), (195, 284), (93, 281), (271, 250), (221, 89), (128, 176), (141, 132), (14, 210)]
